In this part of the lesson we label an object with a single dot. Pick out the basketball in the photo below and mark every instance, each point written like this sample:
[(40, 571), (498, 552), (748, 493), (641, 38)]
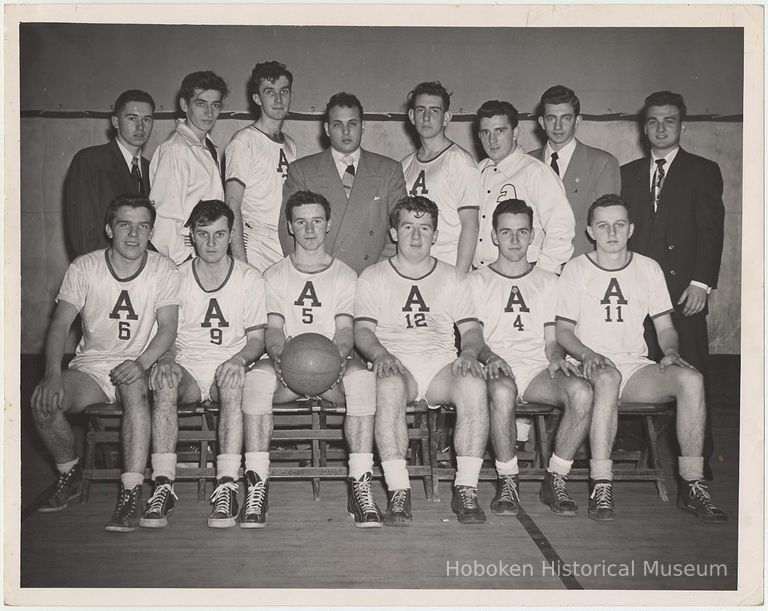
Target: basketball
[(310, 364)]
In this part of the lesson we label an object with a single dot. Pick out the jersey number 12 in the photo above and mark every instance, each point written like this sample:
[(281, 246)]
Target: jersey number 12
[(418, 319)]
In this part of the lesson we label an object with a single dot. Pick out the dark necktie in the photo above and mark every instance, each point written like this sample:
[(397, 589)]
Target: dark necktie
[(212, 150), (658, 182), (553, 163), (348, 177), (136, 173)]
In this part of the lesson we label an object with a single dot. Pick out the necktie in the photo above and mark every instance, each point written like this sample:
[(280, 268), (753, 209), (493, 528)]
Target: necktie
[(554, 165), (348, 177), (136, 173), (212, 150), (658, 182)]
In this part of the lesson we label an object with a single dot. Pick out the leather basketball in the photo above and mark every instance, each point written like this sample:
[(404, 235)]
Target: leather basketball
[(310, 364)]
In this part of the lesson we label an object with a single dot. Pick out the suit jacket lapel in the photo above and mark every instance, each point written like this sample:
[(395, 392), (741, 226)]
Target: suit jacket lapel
[(672, 181), (575, 167), (329, 175)]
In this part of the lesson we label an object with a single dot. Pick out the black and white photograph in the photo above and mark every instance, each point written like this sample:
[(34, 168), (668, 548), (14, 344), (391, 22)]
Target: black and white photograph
[(354, 304)]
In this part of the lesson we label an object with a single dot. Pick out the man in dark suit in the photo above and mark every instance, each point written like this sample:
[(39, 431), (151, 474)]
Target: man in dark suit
[(676, 202), (587, 172), (98, 174), (362, 188)]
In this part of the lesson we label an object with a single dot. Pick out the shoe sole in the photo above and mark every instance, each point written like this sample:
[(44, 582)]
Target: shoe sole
[(398, 523), (470, 519), (52, 509), (252, 524), (364, 524), (564, 514), (228, 523), (119, 529), (505, 512), (703, 519), (597, 518), (162, 523)]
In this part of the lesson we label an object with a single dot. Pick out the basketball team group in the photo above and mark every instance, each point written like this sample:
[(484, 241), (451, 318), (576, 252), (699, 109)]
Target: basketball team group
[(553, 277)]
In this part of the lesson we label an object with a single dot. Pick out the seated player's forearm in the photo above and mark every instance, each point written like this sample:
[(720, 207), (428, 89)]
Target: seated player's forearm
[(252, 350), (668, 341), (472, 342), (467, 243), (368, 345), (571, 344), (554, 351), (160, 344), (54, 349), (345, 342), (275, 341), (487, 355)]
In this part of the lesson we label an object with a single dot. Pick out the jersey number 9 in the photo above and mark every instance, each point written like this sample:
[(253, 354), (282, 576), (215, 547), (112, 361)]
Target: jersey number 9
[(216, 336)]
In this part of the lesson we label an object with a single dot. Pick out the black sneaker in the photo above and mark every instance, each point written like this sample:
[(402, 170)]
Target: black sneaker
[(361, 505), (465, 506), (224, 501), (256, 504), (554, 494), (693, 497), (125, 519), (398, 508), (507, 499), (67, 488), (160, 505), (601, 506)]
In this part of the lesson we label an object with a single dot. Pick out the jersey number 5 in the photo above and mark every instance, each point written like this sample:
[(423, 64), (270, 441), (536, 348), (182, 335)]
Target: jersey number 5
[(306, 316)]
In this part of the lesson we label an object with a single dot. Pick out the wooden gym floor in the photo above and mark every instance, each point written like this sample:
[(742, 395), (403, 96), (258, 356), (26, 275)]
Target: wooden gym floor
[(310, 544)]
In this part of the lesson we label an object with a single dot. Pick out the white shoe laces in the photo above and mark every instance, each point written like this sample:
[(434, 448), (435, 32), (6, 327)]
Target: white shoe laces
[(558, 486), (468, 497), (254, 500), (509, 489), (397, 504), (159, 497), (602, 493), (364, 494), (221, 499)]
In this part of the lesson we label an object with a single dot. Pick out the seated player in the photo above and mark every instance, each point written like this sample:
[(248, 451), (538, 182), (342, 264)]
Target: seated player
[(221, 332), (516, 303), (405, 310), (603, 299), (310, 291), (120, 293)]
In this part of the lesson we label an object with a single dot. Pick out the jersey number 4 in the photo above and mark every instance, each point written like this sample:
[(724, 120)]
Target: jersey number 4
[(418, 319), (518, 324)]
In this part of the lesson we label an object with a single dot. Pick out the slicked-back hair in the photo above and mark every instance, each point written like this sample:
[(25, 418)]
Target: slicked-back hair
[(492, 108), (302, 198), (560, 94), (207, 212), (429, 88), (132, 95), (267, 71), (606, 201), (512, 206), (665, 98), (205, 80), (413, 203), (132, 200), (343, 100)]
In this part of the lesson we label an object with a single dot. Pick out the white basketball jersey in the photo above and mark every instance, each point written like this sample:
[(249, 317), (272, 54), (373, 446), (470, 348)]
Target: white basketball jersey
[(609, 307), (452, 181), (118, 314), (514, 311), (310, 302), (213, 324), (414, 315)]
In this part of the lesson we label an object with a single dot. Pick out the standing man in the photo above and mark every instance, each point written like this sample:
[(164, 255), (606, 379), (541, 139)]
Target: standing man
[(185, 168), (361, 187), (444, 172), (257, 161), (676, 202), (98, 174), (586, 172), (221, 332), (508, 173), (405, 311), (120, 293)]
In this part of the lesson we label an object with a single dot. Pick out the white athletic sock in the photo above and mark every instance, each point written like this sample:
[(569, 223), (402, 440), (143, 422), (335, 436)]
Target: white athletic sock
[(523, 425), (164, 465), (396, 474), (131, 480), (66, 467), (360, 463), (258, 462), (559, 465), (228, 465), (507, 468), (601, 468), (467, 470), (691, 467)]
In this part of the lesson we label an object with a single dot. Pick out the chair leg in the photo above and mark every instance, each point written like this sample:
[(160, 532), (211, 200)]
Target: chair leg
[(654, 458), (88, 463), (316, 456), (420, 421), (433, 441)]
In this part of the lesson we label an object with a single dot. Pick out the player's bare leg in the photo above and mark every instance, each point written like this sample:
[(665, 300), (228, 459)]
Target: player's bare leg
[(391, 430), (470, 396), (686, 386), (503, 431), (575, 395), (55, 430)]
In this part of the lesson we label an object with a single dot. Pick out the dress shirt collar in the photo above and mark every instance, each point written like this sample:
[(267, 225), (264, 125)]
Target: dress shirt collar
[(341, 167), (564, 155), (669, 157), (127, 155)]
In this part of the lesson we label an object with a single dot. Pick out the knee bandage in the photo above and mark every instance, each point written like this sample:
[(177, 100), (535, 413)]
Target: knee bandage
[(258, 390), (360, 392)]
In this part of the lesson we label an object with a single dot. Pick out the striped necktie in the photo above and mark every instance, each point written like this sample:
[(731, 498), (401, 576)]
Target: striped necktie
[(348, 177), (658, 182)]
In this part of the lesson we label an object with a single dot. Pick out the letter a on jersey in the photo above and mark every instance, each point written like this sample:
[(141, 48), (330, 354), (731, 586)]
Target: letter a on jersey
[(282, 164), (308, 293), (516, 299), (415, 298), (613, 290), (123, 304), (420, 186), (214, 311)]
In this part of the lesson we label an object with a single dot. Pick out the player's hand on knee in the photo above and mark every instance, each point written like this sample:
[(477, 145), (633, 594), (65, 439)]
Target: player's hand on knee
[(164, 374), (231, 373), (497, 367), (673, 358), (466, 364), (48, 395), (388, 365), (126, 372), (592, 362), (563, 365)]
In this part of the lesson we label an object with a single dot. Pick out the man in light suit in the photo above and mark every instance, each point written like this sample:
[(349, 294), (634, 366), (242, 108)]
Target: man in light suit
[(676, 201), (586, 172), (362, 188), (98, 174)]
